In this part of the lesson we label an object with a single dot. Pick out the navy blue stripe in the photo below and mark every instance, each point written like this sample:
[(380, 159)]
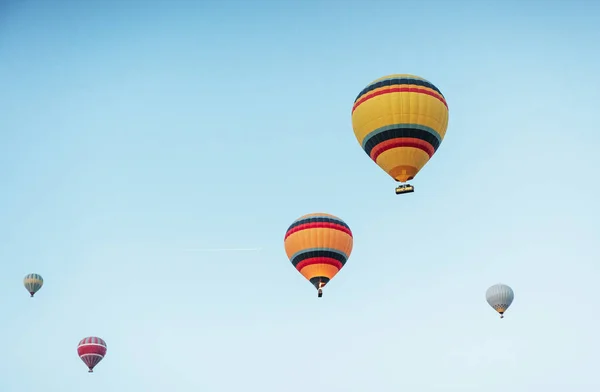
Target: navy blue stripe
[(317, 220), (398, 81), (318, 253), (401, 132)]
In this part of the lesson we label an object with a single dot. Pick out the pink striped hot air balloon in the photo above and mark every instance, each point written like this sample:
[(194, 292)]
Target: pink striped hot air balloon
[(91, 350)]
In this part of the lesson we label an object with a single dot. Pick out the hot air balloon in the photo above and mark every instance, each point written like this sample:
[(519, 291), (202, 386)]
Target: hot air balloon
[(91, 350), (318, 245), (400, 121), (500, 297), (33, 283)]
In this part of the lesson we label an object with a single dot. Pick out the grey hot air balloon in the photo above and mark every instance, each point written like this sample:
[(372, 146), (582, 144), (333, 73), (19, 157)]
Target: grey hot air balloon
[(500, 296), (33, 283)]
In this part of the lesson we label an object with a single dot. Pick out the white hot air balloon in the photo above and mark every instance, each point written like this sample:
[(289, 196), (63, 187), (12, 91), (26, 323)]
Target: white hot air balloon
[(500, 296)]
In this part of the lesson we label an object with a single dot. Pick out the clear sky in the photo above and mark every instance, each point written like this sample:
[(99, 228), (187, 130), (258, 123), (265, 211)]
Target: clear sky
[(131, 132)]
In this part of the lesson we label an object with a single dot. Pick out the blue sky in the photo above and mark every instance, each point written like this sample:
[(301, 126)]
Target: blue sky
[(133, 131)]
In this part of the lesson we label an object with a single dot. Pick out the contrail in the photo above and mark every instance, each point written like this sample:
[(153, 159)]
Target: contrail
[(221, 249)]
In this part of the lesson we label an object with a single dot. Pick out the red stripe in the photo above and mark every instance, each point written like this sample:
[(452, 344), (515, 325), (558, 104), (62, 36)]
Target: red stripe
[(317, 225), (402, 142), (399, 90), (319, 260), (92, 349)]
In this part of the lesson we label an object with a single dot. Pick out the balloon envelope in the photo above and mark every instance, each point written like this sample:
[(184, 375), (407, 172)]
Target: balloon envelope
[(91, 350), (400, 121), (500, 297), (318, 246), (33, 283)]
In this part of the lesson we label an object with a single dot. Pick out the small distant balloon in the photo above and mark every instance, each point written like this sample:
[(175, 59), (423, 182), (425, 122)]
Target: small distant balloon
[(91, 350), (33, 283), (500, 297)]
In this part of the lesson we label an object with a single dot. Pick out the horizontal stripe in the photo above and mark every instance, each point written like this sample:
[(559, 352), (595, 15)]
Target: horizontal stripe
[(91, 355), (319, 281), (398, 90), (319, 260), (398, 80), (398, 85), (318, 252), (401, 142), (397, 131), (318, 219), (318, 225), (91, 349), (320, 238)]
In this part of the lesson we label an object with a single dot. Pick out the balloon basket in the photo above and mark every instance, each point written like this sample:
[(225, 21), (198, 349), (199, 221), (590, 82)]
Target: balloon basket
[(405, 189), (320, 293)]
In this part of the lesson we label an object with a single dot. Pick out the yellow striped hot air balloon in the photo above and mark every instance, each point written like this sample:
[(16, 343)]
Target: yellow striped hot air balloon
[(33, 283), (318, 245), (400, 121)]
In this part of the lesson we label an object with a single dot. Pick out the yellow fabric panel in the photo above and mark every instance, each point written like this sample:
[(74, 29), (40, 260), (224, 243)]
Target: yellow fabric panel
[(408, 156), (397, 76), (326, 270), (318, 214)]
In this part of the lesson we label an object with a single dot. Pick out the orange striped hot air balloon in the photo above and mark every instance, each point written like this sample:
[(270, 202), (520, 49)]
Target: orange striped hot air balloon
[(400, 121), (318, 245)]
